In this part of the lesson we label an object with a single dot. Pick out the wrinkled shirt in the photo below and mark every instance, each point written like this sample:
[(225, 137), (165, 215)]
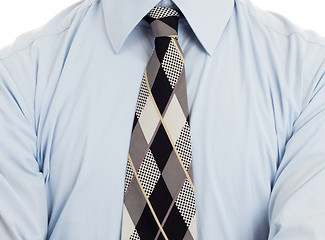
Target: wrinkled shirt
[(256, 94)]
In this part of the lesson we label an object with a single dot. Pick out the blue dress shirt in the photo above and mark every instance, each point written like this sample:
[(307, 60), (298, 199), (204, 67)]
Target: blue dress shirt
[(256, 94)]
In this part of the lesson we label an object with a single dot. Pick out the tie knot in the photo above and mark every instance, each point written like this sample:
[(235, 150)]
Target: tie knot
[(163, 21)]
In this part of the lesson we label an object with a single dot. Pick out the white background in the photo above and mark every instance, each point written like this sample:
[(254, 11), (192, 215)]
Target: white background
[(19, 16)]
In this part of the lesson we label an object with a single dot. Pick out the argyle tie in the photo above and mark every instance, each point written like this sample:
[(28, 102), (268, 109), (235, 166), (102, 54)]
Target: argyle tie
[(159, 198)]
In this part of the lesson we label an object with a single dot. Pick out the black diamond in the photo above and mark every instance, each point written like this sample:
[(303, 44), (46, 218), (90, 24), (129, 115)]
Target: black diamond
[(147, 227), (135, 121), (161, 46), (188, 118), (161, 199), (161, 148), (149, 19), (161, 90), (175, 226), (171, 21), (161, 237)]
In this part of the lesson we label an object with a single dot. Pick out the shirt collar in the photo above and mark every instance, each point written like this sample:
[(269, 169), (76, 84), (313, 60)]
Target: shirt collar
[(213, 14)]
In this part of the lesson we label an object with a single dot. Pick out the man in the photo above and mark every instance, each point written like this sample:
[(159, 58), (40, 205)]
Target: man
[(256, 101)]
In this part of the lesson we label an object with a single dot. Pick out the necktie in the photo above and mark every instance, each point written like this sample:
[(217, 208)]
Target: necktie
[(159, 198)]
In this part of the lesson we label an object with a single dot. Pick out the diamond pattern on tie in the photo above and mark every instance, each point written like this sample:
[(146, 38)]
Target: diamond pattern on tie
[(183, 146), (142, 98), (149, 119), (159, 193), (186, 203), (172, 64), (135, 235), (128, 177), (149, 173), (161, 12), (174, 119)]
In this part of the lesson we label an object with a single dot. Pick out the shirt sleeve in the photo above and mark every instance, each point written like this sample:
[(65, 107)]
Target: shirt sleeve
[(297, 202), (23, 209)]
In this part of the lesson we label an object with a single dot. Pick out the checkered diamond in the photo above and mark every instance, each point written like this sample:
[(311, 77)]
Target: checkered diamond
[(172, 64), (142, 98), (183, 146), (185, 203), (135, 235), (161, 12), (149, 173), (128, 177)]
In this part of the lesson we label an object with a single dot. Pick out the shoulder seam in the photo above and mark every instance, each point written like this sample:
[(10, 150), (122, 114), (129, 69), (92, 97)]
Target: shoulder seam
[(31, 43), (280, 33), (47, 35)]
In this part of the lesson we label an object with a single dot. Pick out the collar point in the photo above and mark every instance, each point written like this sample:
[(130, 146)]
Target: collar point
[(210, 50), (116, 44)]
